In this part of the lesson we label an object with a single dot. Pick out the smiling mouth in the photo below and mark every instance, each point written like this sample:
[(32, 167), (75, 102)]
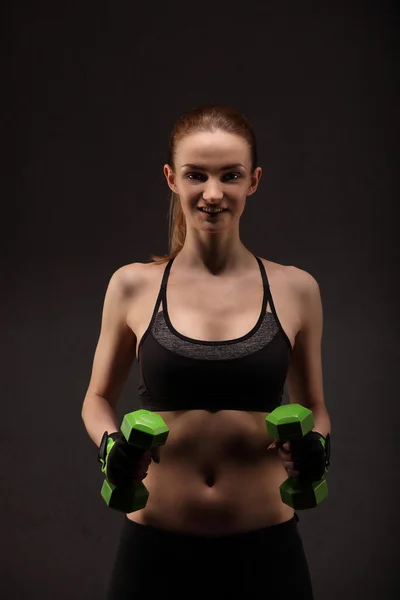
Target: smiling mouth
[(213, 213)]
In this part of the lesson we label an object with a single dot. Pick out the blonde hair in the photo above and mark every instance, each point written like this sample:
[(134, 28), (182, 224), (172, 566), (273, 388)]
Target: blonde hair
[(209, 117)]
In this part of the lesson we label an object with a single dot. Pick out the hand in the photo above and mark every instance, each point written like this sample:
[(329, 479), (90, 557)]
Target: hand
[(141, 467), (126, 463), (303, 458), (285, 451), (140, 471)]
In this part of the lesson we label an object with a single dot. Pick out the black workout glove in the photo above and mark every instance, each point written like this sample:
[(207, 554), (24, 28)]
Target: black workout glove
[(311, 456), (121, 462), (307, 458)]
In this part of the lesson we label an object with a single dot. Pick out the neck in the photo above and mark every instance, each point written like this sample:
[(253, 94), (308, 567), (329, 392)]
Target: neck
[(215, 264)]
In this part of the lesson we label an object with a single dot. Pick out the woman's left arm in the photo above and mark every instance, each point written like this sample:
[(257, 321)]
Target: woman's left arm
[(305, 378)]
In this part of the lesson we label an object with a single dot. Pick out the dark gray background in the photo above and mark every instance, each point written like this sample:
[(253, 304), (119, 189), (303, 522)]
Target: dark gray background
[(96, 89)]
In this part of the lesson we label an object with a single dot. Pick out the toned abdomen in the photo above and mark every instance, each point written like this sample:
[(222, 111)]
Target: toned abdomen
[(215, 475)]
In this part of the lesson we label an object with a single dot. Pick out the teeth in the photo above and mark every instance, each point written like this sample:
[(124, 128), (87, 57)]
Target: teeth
[(212, 210)]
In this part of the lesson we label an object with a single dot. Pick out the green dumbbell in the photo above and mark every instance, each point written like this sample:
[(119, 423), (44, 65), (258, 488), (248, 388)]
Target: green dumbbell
[(145, 430), (291, 422)]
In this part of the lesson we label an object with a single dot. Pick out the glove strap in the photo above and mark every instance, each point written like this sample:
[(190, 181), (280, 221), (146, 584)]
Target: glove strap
[(107, 442), (326, 442)]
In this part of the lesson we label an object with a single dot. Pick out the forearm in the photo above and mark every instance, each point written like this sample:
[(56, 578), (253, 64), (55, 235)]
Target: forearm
[(322, 422), (98, 417)]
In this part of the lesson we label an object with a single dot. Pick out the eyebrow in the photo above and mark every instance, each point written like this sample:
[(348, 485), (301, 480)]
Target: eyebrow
[(200, 168)]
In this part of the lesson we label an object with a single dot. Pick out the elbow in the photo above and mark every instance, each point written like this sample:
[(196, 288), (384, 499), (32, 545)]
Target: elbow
[(85, 406)]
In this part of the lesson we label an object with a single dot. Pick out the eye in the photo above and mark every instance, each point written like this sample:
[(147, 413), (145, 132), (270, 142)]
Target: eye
[(236, 175)]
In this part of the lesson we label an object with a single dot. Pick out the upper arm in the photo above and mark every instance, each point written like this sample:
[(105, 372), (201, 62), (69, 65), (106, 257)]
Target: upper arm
[(305, 378), (116, 346)]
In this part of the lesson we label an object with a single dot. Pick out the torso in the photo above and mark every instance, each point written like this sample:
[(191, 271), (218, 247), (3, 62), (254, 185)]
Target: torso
[(215, 475)]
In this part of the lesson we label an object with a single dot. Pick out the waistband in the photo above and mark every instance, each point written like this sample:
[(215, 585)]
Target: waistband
[(284, 534)]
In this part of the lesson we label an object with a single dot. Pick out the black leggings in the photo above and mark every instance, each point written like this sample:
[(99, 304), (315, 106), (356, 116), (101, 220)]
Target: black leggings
[(153, 563)]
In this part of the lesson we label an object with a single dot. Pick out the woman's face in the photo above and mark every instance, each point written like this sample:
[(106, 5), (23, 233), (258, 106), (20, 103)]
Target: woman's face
[(202, 179)]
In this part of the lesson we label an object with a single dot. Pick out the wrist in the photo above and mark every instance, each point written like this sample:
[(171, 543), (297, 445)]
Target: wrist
[(326, 443), (107, 442)]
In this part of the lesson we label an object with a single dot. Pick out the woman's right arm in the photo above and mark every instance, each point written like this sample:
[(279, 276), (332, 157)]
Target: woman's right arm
[(114, 355)]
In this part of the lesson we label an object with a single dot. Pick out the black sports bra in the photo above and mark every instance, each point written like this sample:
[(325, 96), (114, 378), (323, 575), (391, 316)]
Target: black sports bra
[(181, 373)]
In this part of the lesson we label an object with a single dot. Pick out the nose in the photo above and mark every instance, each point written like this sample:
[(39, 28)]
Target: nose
[(212, 192)]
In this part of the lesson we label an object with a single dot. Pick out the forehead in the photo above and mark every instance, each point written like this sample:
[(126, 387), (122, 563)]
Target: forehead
[(213, 148)]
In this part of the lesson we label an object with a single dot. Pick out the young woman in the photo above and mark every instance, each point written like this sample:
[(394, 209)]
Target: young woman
[(216, 331)]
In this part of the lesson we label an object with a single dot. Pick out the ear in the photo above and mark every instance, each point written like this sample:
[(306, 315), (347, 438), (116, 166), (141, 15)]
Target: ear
[(170, 177), (255, 178)]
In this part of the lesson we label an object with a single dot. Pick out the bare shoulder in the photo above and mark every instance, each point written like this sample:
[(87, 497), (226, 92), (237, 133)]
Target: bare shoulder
[(300, 282), (150, 272), (305, 283), (128, 278), (307, 291)]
